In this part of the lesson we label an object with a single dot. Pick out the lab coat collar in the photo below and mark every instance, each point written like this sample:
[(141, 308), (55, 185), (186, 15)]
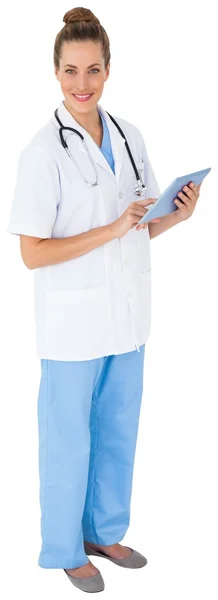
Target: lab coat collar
[(117, 141)]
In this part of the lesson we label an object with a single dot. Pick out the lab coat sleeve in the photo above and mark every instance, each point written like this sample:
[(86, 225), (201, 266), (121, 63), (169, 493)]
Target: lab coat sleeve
[(153, 190), (36, 195)]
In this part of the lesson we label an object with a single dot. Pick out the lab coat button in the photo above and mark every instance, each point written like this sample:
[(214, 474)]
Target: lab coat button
[(120, 194)]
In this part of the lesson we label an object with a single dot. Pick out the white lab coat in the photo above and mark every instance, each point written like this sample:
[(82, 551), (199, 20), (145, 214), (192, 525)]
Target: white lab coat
[(99, 303)]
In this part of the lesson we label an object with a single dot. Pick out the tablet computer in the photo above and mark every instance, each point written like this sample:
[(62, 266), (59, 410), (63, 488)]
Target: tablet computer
[(165, 205)]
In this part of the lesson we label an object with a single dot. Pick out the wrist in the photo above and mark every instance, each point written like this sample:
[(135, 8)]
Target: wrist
[(176, 215), (111, 227)]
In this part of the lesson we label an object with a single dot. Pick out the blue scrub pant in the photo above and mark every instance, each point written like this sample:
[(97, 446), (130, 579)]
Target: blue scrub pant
[(88, 413)]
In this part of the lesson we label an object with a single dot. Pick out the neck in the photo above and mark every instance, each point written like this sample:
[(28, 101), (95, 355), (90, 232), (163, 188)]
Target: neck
[(90, 121)]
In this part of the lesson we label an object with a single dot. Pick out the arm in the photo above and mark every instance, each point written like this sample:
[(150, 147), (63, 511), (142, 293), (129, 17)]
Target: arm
[(165, 223), (34, 211), (186, 205), (41, 252)]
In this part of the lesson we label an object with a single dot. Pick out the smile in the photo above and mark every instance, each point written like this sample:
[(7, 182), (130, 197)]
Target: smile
[(82, 97)]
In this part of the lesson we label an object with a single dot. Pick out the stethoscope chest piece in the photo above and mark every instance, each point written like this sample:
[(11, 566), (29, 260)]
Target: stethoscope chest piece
[(140, 188)]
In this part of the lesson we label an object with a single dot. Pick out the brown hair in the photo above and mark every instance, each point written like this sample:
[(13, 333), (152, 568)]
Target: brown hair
[(81, 25)]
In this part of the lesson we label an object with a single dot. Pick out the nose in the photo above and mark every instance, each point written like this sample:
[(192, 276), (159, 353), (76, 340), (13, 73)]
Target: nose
[(81, 83)]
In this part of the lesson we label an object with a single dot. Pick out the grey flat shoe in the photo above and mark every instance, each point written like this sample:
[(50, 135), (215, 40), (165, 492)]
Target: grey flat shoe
[(133, 561), (95, 583)]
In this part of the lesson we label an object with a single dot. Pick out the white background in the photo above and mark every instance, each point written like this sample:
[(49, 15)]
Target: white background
[(164, 80)]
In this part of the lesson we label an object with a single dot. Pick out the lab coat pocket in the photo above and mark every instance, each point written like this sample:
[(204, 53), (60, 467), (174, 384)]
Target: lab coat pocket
[(141, 168), (76, 320), (130, 181)]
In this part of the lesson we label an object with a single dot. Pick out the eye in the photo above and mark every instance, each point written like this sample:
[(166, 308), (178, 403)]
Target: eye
[(73, 70)]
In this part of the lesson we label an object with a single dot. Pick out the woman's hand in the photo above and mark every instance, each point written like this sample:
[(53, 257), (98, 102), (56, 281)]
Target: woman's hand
[(131, 216), (185, 210)]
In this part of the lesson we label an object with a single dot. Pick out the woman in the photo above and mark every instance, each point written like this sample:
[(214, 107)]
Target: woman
[(76, 213)]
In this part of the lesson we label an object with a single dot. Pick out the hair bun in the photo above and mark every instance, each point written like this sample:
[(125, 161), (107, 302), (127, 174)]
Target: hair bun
[(80, 14)]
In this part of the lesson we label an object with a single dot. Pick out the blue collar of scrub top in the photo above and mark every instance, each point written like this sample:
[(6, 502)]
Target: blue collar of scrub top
[(105, 147)]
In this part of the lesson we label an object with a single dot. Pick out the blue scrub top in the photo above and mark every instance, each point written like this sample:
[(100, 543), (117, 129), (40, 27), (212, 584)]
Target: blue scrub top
[(106, 144)]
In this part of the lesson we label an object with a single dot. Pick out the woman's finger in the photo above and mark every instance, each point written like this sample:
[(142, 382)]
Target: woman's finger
[(144, 225)]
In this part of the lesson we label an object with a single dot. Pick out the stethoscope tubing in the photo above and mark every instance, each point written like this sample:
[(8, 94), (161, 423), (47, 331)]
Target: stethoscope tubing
[(127, 147), (64, 144)]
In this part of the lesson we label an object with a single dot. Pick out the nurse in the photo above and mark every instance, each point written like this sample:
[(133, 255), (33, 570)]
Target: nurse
[(92, 307)]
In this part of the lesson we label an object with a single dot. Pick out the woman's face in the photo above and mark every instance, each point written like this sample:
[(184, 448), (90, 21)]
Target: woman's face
[(82, 72)]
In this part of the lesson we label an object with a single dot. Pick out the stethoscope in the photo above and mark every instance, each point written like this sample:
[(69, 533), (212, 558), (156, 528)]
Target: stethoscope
[(139, 188)]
